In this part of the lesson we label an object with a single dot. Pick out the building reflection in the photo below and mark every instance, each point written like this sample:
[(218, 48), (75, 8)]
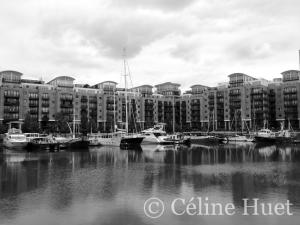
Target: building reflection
[(106, 174)]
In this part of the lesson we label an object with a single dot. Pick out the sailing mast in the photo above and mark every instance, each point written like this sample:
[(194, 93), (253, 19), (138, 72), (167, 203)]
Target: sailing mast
[(242, 124), (125, 79), (173, 114), (74, 121), (235, 122), (213, 115), (114, 128)]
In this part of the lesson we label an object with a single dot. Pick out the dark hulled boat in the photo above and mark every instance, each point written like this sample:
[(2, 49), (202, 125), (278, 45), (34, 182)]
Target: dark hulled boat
[(78, 143), (42, 143), (131, 141)]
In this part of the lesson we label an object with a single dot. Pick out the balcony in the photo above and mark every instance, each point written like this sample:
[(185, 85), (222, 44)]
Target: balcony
[(236, 81), (33, 97), (66, 105), (33, 105), (11, 110), (11, 103), (234, 94), (9, 80)]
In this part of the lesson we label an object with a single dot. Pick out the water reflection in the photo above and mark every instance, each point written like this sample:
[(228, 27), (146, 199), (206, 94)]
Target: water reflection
[(109, 185)]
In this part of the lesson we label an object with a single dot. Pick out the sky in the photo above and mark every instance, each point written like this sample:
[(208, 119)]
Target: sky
[(183, 41)]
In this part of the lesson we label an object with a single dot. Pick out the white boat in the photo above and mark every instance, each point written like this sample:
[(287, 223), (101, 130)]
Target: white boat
[(105, 139), (265, 135), (115, 139), (14, 138), (31, 136), (240, 138), (62, 140), (156, 135), (178, 139), (94, 139)]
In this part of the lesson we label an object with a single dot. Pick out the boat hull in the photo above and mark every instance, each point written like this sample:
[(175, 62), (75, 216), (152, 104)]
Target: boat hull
[(240, 139), (207, 140), (48, 146), (149, 140), (78, 144), (115, 141), (14, 144), (131, 141), (265, 139)]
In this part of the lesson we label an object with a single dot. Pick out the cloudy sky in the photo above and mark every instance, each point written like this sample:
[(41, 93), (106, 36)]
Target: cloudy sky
[(184, 41)]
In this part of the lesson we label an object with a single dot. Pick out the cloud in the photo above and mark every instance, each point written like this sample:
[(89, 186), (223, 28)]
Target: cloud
[(155, 4), (110, 32), (166, 40), (245, 50)]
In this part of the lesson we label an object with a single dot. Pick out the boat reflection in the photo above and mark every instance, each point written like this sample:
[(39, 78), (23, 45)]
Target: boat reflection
[(92, 187), (194, 155)]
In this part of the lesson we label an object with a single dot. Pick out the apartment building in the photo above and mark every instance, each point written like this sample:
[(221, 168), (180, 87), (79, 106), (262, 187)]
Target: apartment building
[(242, 103)]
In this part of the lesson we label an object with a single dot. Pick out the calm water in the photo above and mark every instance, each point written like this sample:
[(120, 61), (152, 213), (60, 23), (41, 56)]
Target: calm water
[(110, 186)]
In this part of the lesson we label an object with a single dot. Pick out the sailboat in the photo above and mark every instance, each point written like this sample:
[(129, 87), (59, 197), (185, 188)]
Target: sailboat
[(285, 135), (77, 142), (197, 138), (118, 137), (265, 135), (128, 140), (236, 137)]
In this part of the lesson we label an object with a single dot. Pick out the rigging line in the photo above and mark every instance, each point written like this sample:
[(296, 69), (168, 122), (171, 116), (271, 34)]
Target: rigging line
[(129, 75)]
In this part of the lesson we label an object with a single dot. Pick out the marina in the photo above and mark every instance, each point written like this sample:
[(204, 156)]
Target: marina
[(108, 185), (169, 112)]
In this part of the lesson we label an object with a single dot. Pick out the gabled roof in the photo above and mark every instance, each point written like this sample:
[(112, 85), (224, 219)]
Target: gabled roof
[(290, 71), (198, 85), (234, 74), (62, 78), (108, 81), (11, 71), (145, 85), (167, 83)]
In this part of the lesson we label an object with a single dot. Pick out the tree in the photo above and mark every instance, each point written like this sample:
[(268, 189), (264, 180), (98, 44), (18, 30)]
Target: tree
[(93, 125), (61, 123), (3, 128), (45, 123), (30, 125), (84, 123)]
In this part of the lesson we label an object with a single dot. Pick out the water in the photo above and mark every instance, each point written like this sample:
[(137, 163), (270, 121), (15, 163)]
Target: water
[(109, 186)]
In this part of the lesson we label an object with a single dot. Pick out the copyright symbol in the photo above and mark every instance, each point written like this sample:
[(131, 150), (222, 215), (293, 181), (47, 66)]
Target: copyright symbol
[(154, 208)]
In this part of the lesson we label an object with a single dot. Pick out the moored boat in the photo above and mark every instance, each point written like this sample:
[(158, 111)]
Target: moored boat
[(78, 143), (121, 138), (207, 139), (239, 138), (31, 136), (131, 141), (265, 135), (118, 139), (108, 139), (156, 135), (178, 139), (14, 138), (42, 143), (62, 141), (93, 139)]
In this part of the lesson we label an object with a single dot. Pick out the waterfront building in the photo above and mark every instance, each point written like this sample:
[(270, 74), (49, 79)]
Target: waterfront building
[(242, 103)]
